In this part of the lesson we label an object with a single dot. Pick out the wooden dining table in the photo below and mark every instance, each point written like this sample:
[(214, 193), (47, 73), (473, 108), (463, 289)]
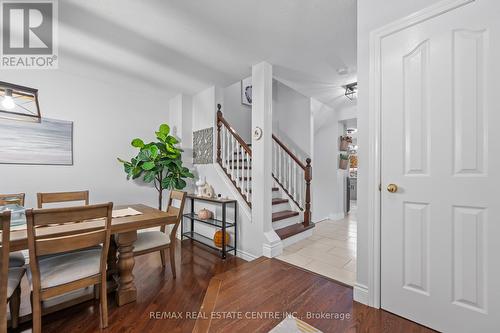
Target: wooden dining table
[(121, 252)]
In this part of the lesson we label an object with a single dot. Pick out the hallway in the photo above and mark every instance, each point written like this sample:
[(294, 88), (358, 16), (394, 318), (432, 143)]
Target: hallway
[(330, 251)]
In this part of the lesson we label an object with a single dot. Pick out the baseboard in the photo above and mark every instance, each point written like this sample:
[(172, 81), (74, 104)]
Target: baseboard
[(245, 255), (360, 293), (272, 250)]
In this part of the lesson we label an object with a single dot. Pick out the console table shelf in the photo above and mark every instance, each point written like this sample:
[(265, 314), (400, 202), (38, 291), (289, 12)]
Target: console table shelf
[(222, 224)]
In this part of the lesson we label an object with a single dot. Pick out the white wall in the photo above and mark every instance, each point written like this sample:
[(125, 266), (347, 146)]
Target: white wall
[(292, 119), (372, 14), (327, 183), (106, 118), (236, 113)]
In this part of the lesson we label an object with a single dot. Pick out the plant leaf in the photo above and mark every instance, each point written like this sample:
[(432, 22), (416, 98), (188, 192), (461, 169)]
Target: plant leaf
[(149, 176), (154, 151), (164, 129), (148, 165), (138, 143)]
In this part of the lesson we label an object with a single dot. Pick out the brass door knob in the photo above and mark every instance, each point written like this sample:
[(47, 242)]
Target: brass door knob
[(393, 188)]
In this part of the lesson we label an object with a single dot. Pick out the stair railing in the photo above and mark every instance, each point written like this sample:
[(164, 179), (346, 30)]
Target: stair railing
[(293, 176), (234, 156)]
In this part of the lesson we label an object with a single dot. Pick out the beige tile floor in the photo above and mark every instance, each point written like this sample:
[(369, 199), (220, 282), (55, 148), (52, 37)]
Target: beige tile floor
[(330, 251)]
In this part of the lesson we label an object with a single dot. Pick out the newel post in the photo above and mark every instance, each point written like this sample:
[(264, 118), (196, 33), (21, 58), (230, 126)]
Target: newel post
[(219, 125), (308, 178)]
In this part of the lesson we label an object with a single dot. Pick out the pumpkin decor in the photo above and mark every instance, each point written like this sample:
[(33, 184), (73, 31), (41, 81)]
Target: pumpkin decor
[(218, 238), (205, 214)]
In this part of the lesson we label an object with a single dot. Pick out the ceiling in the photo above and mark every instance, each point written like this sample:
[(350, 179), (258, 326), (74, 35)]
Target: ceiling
[(187, 45)]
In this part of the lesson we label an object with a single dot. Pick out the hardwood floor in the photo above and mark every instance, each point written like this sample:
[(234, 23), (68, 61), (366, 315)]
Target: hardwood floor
[(266, 285)]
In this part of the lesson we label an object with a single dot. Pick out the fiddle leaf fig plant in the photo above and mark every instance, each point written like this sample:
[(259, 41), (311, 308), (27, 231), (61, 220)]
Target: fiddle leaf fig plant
[(158, 162)]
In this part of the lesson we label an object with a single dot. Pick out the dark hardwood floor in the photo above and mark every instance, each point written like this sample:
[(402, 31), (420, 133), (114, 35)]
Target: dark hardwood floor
[(265, 285)]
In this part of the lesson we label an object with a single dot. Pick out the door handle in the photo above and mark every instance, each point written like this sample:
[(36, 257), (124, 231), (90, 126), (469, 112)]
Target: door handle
[(393, 188)]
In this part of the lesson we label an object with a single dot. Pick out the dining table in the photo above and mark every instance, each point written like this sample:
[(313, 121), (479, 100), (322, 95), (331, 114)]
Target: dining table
[(121, 252)]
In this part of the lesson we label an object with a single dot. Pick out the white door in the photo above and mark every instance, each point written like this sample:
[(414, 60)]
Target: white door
[(440, 144)]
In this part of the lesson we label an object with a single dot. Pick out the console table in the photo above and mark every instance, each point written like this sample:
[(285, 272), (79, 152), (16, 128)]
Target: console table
[(222, 224)]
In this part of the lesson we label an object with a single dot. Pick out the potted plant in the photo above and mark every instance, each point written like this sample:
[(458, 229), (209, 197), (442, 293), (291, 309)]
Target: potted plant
[(344, 159), (159, 163), (345, 141)]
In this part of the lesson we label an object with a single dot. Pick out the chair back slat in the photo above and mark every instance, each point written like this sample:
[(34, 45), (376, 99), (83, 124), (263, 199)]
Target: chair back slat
[(15, 198), (181, 196), (47, 246), (173, 210), (55, 197), (69, 214), (4, 264)]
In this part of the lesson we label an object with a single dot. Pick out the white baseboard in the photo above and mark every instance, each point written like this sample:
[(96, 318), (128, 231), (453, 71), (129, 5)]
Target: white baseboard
[(360, 293), (272, 250), (245, 255)]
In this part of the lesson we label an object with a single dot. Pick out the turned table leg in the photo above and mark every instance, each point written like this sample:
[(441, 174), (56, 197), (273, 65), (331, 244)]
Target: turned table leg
[(127, 291)]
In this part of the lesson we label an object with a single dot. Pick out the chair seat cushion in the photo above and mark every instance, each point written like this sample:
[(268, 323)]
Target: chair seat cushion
[(15, 276), (68, 267), (150, 240), (16, 259)]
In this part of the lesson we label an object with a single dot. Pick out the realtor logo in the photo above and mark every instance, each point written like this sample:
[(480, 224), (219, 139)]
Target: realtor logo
[(29, 34)]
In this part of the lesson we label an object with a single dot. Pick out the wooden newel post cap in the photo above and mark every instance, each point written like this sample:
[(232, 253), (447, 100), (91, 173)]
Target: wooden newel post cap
[(308, 161), (219, 112)]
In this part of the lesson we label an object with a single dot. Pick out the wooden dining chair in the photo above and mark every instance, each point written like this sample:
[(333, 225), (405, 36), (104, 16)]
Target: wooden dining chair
[(16, 198), (64, 256), (16, 259), (10, 278), (160, 240), (58, 197)]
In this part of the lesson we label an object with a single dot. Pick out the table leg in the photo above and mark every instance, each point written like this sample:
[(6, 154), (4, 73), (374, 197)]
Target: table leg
[(127, 291)]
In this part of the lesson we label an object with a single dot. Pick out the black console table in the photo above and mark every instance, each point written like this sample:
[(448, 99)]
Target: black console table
[(222, 224)]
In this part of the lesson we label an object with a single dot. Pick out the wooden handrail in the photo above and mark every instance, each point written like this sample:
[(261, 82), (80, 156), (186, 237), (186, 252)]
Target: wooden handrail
[(289, 152), (221, 120)]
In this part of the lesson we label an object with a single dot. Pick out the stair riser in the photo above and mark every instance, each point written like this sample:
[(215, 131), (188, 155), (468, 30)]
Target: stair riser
[(281, 207), (288, 221), (276, 194), (297, 238)]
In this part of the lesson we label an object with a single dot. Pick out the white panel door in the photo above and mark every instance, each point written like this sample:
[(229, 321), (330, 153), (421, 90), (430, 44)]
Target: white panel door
[(440, 144)]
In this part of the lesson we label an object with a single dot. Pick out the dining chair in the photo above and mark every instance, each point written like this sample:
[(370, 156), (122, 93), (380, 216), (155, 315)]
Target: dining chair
[(10, 278), (58, 197), (16, 259), (160, 240), (64, 256), (16, 198)]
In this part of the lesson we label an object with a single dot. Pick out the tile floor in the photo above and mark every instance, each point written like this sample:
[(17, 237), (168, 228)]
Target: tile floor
[(330, 251)]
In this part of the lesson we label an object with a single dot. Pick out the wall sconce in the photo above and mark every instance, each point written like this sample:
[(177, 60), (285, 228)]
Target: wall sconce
[(351, 91), (19, 103)]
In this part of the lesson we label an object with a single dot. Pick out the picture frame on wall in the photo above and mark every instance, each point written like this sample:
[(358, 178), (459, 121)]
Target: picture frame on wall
[(48, 142), (246, 91)]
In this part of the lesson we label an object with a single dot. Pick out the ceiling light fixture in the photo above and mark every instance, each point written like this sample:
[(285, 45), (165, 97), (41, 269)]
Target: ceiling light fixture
[(19, 102), (351, 91), (8, 101)]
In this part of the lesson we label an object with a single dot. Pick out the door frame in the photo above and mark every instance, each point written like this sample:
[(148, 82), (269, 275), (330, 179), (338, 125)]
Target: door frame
[(373, 297)]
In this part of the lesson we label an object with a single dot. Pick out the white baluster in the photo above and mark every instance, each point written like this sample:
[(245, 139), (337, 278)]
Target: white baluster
[(223, 147), (279, 164), (295, 181), (231, 153), (238, 170)]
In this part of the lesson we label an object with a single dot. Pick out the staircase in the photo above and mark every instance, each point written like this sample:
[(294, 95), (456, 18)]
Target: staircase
[(291, 199)]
